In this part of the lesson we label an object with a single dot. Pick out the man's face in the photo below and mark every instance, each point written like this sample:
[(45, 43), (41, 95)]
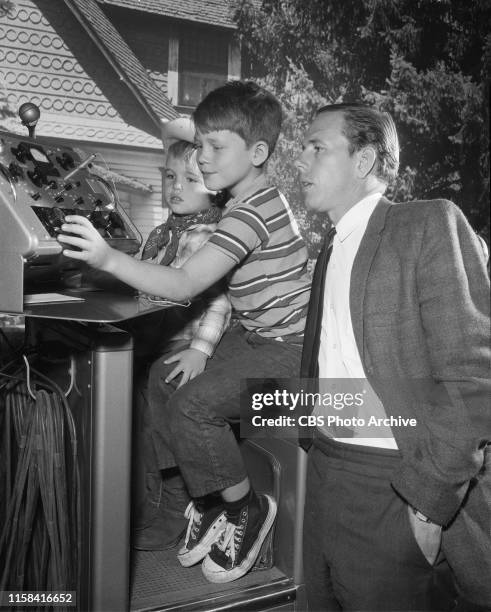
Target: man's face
[(225, 160), (327, 170)]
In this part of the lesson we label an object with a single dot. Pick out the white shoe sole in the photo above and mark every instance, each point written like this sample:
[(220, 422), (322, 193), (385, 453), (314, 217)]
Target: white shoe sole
[(215, 573), (187, 558)]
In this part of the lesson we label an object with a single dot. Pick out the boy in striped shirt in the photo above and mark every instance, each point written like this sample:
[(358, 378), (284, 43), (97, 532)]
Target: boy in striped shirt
[(258, 247)]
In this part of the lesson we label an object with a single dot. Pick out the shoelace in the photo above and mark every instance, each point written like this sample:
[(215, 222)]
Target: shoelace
[(230, 540), (194, 524)]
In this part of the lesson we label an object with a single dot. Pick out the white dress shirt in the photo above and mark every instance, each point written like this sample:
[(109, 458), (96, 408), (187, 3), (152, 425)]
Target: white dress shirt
[(339, 357)]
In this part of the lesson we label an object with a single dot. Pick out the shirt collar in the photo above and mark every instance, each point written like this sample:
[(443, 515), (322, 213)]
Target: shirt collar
[(261, 182), (357, 216)]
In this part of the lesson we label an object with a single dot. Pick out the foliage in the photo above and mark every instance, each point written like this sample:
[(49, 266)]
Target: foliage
[(299, 99), (427, 62)]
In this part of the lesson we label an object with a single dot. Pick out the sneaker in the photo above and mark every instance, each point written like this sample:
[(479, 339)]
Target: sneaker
[(238, 548), (204, 529)]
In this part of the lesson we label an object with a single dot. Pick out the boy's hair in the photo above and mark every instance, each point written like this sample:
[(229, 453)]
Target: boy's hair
[(365, 125), (182, 149), (242, 107)]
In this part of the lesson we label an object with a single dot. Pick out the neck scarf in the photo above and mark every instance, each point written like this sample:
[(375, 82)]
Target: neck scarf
[(168, 234)]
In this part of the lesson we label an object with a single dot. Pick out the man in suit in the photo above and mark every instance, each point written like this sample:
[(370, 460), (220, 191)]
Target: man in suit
[(397, 516)]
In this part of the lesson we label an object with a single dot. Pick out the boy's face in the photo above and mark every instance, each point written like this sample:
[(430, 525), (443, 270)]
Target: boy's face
[(184, 190), (226, 161)]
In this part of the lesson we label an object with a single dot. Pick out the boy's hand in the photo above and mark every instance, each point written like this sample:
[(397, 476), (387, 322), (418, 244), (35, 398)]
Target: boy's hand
[(190, 362), (93, 248)]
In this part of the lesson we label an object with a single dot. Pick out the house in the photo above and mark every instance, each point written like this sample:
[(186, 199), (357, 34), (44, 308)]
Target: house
[(107, 73)]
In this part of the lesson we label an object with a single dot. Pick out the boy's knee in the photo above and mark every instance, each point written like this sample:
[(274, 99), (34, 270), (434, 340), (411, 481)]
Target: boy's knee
[(187, 404)]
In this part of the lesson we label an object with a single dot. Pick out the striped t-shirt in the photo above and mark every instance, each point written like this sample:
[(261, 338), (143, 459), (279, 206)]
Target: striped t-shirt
[(270, 286)]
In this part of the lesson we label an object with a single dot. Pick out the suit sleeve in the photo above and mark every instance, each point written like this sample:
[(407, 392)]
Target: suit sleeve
[(454, 301)]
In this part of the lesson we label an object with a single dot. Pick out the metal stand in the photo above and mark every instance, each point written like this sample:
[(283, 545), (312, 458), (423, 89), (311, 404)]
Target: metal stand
[(112, 367), (101, 402)]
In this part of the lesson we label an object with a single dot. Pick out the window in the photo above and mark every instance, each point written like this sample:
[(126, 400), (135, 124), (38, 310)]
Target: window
[(203, 63)]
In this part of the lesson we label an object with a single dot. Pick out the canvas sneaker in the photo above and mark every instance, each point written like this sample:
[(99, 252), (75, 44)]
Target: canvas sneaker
[(239, 545), (204, 529)]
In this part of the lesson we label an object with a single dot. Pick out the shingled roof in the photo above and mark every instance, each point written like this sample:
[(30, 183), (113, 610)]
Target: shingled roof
[(214, 12), (123, 60)]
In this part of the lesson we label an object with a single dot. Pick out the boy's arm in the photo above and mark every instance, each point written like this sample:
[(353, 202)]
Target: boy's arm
[(212, 325), (192, 361), (207, 266), (215, 319)]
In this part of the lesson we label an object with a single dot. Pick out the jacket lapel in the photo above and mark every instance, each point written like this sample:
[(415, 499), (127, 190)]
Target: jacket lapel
[(361, 268)]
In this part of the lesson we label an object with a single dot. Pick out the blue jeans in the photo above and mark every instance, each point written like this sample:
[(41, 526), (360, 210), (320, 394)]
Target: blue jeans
[(191, 425)]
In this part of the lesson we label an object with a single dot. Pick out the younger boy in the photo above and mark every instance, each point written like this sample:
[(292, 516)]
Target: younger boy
[(258, 245), (185, 338)]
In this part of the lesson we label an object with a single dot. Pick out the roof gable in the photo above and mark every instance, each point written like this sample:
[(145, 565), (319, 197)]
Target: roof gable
[(214, 12), (122, 58), (48, 59)]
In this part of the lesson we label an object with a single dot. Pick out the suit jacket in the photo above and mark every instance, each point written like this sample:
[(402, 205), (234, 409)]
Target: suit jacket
[(419, 300)]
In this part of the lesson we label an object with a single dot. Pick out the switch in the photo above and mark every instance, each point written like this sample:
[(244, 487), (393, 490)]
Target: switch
[(16, 171), (65, 161), (38, 178), (22, 152)]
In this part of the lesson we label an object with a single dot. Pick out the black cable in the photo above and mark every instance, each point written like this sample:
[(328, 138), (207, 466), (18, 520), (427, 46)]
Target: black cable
[(11, 524), (40, 543)]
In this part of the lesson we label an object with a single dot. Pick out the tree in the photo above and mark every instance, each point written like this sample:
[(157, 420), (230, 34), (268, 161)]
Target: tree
[(424, 61), (299, 99)]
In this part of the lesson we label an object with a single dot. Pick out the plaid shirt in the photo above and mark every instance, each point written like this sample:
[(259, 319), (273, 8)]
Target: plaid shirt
[(209, 314)]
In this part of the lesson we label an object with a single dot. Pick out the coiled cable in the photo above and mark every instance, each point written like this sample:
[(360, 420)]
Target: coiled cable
[(40, 541)]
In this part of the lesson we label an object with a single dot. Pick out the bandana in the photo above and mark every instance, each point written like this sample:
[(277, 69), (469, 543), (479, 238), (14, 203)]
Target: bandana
[(168, 234)]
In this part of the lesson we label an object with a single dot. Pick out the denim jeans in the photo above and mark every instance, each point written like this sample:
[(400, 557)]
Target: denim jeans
[(191, 425)]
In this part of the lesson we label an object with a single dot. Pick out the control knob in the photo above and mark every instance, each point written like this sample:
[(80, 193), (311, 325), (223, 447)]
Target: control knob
[(65, 161), (29, 114), (22, 152), (16, 171), (38, 178)]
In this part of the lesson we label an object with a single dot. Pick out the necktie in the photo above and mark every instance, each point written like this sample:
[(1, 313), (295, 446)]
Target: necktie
[(309, 367)]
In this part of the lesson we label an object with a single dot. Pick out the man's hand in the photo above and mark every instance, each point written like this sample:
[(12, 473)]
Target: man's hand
[(428, 536), (93, 248), (190, 362)]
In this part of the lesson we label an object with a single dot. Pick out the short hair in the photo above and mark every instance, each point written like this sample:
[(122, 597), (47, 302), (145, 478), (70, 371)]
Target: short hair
[(242, 107), (185, 150), (365, 125)]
